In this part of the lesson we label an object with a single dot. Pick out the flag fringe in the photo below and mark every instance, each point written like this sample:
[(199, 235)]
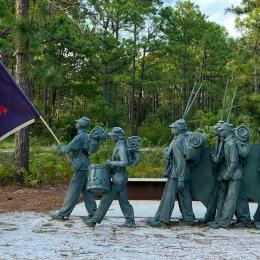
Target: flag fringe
[(17, 129)]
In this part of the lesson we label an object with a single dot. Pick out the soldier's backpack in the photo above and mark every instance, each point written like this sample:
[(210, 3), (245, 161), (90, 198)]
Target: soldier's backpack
[(133, 144), (99, 133), (194, 143), (242, 135)]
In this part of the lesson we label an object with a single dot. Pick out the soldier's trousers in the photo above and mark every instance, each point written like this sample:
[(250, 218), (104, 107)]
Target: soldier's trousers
[(107, 199), (227, 201), (167, 203), (77, 186), (242, 212), (212, 204), (257, 214)]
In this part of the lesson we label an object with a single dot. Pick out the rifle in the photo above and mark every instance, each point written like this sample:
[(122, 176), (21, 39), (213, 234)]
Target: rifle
[(191, 103), (232, 104)]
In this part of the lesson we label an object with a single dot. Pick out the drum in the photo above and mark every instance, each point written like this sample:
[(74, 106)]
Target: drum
[(99, 179)]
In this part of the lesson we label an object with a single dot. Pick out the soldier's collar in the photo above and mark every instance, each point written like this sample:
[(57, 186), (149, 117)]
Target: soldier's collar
[(179, 135), (120, 141), (82, 131)]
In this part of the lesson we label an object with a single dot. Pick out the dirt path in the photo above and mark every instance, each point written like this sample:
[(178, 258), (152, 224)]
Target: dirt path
[(42, 199)]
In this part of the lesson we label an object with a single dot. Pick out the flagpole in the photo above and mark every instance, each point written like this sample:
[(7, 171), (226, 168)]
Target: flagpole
[(46, 124), (52, 133)]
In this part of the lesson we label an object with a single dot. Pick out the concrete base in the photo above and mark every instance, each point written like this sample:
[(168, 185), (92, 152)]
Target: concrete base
[(147, 208), (31, 236)]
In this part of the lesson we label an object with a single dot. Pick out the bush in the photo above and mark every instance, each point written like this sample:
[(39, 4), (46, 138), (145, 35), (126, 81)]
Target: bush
[(47, 167), (50, 167), (104, 153), (7, 174), (151, 166)]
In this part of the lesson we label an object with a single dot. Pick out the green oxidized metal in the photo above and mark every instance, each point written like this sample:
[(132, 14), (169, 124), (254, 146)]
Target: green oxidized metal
[(203, 178)]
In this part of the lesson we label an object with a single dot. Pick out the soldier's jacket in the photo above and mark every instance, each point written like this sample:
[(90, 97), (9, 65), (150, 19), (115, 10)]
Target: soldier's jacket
[(232, 164), (119, 162), (217, 153), (176, 152), (217, 158), (81, 146)]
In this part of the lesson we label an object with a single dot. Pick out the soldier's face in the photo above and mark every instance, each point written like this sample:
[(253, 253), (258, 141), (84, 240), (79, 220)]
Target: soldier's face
[(217, 132), (96, 133), (114, 138), (223, 133), (175, 130), (77, 125)]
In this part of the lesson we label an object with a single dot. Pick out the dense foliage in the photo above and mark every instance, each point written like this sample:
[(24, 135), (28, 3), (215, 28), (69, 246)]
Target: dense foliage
[(131, 63)]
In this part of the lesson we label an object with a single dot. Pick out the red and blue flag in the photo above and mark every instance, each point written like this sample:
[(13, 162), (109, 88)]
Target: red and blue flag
[(16, 110)]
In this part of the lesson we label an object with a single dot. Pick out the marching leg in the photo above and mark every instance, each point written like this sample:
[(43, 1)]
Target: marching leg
[(89, 200), (126, 207), (72, 196)]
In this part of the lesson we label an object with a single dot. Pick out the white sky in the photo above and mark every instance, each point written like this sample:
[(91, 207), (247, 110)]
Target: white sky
[(215, 10)]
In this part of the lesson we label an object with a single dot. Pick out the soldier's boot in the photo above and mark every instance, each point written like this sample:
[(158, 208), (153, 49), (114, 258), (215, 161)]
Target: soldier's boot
[(257, 224), (56, 215), (151, 219), (202, 220), (214, 225), (158, 223), (187, 222), (128, 224), (242, 224), (87, 217), (205, 220), (89, 222), (217, 225)]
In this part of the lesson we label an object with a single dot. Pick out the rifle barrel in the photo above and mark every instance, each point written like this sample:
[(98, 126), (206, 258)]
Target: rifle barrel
[(191, 94), (194, 99), (232, 104)]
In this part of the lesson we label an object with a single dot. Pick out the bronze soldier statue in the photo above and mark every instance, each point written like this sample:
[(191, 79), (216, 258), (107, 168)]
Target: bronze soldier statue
[(230, 178), (242, 212), (216, 157), (178, 183), (81, 146), (119, 183)]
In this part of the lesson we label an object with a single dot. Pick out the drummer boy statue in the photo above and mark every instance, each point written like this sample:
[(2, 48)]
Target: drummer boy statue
[(119, 183), (81, 146)]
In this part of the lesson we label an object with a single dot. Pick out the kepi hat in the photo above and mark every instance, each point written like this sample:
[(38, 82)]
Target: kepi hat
[(180, 123), (83, 122)]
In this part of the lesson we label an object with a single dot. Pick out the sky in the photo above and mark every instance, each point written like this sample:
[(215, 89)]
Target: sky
[(215, 10)]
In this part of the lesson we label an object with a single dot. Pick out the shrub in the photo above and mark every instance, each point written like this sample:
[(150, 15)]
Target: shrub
[(152, 164), (7, 174), (47, 167)]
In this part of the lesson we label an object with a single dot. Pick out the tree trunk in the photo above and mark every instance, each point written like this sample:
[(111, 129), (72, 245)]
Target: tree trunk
[(132, 113), (22, 136)]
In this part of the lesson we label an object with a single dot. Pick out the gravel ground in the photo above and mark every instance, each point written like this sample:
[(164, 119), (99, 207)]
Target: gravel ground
[(29, 235)]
